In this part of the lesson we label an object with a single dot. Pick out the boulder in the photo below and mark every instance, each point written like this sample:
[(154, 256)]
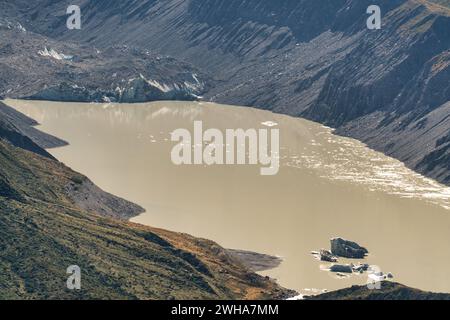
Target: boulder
[(347, 249), (326, 255), (361, 268), (341, 268)]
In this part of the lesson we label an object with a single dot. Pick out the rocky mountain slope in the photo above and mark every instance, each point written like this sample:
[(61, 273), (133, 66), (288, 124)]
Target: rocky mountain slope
[(316, 59), (36, 67), (46, 226), (17, 130), (388, 291)]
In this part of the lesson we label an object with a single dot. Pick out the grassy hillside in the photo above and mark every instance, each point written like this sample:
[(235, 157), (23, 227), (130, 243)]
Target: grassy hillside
[(42, 232)]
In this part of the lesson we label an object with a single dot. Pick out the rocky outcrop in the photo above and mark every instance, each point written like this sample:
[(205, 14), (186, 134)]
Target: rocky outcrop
[(67, 71), (12, 130), (20, 131), (325, 255), (87, 196), (388, 291), (341, 268), (361, 267), (347, 249), (134, 90), (256, 261)]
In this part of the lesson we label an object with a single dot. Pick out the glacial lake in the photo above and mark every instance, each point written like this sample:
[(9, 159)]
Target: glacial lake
[(327, 186)]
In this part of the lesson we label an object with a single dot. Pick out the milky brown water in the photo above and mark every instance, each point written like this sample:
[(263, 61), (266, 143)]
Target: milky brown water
[(327, 186)]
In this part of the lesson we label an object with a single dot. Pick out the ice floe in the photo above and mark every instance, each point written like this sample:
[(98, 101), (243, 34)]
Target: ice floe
[(269, 124)]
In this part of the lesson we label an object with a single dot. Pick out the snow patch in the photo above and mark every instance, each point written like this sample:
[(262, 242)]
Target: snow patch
[(54, 54), (161, 86)]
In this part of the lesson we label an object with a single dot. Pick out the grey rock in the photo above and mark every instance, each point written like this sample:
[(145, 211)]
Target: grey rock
[(347, 249), (87, 196), (341, 268), (325, 255), (361, 268), (256, 261), (19, 130)]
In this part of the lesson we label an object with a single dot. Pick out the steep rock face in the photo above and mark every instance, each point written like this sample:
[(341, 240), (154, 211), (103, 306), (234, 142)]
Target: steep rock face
[(403, 69), (138, 89), (16, 124), (67, 71), (12, 130), (315, 59)]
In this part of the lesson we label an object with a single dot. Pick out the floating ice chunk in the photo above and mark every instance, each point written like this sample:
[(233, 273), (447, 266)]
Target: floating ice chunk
[(299, 297), (269, 124)]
